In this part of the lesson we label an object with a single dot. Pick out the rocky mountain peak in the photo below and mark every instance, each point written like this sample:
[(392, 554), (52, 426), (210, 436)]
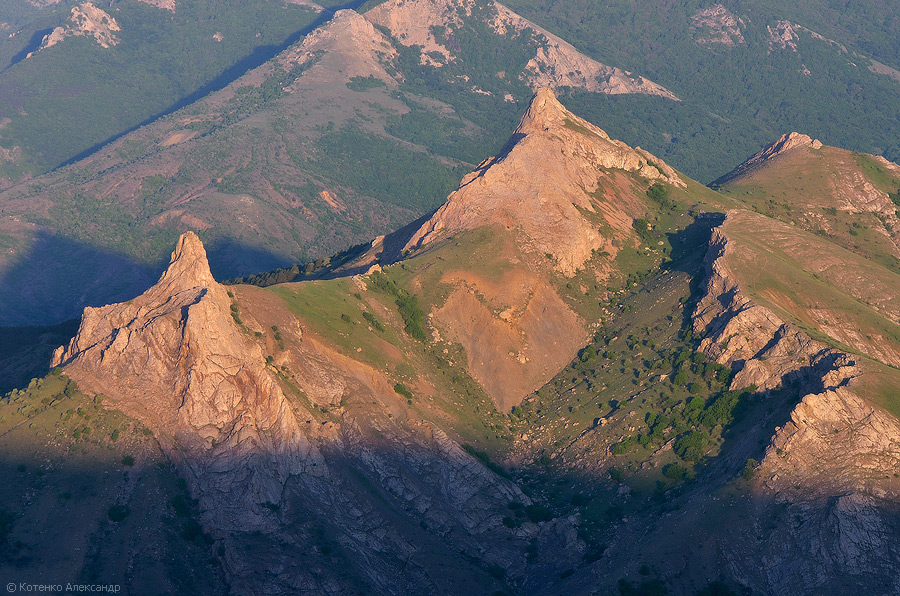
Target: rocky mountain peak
[(548, 171), (188, 267), (544, 112), (179, 359)]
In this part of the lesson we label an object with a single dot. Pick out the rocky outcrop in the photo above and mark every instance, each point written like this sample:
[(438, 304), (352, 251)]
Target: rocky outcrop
[(352, 45), (784, 143), (164, 4), (783, 36), (556, 62), (175, 359), (298, 502), (571, 155), (826, 479), (717, 25), (764, 350), (86, 20)]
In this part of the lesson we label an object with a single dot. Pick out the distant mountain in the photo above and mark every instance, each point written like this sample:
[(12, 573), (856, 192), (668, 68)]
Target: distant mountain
[(333, 141), (75, 75), (746, 72)]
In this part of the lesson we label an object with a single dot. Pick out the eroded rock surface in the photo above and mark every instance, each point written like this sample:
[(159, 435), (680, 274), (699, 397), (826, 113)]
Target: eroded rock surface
[(827, 478), (174, 359), (297, 502), (556, 63), (571, 155), (86, 20)]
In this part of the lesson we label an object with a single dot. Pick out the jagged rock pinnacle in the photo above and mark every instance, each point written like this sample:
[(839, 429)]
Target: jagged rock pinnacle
[(544, 111), (175, 358), (188, 267)]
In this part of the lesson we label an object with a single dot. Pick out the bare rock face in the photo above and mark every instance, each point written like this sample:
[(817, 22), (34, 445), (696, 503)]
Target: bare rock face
[(835, 443), (86, 20), (176, 360), (545, 175), (348, 44), (396, 503), (783, 36), (164, 4), (717, 25), (783, 144), (765, 350), (556, 63), (827, 474)]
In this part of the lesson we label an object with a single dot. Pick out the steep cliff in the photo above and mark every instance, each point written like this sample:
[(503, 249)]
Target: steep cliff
[(826, 475), (377, 498), (174, 359)]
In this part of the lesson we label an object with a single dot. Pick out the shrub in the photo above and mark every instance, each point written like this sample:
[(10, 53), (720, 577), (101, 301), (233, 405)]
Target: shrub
[(127, 460), (538, 513), (401, 389), (692, 445), (413, 316), (360, 84), (181, 505), (675, 472), (749, 469), (375, 323)]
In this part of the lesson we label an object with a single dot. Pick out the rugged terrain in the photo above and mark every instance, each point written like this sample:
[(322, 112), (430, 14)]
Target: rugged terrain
[(585, 373), (298, 131), (295, 160)]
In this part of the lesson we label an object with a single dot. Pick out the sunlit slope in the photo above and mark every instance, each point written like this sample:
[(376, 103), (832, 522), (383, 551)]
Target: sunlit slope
[(850, 199)]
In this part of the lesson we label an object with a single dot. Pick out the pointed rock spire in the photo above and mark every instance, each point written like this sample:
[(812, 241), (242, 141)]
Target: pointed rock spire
[(544, 112), (188, 267)]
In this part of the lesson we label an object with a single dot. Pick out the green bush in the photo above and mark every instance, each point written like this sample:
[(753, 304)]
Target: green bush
[(413, 316), (692, 445), (375, 323), (401, 389), (538, 513), (749, 470), (360, 84), (676, 472)]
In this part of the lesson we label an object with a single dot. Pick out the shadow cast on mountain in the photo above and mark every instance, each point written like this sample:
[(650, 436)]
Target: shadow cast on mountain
[(59, 277), (32, 46), (25, 352), (229, 258)]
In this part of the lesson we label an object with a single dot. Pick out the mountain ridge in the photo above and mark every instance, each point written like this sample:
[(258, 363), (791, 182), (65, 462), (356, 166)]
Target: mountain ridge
[(506, 409)]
